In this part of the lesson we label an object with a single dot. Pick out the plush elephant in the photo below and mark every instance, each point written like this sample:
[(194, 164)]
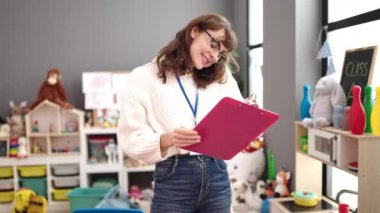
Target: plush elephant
[(328, 93)]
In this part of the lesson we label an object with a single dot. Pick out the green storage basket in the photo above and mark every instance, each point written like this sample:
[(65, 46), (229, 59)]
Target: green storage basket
[(104, 183), (81, 198), (38, 185)]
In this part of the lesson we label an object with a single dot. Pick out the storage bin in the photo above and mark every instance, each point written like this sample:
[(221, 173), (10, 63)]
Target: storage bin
[(6, 184), (60, 194), (38, 185), (65, 182), (32, 171), (65, 169), (7, 197), (6, 172), (104, 183), (81, 198)]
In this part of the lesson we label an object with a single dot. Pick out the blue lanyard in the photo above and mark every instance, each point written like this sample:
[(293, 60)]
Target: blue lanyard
[(193, 109)]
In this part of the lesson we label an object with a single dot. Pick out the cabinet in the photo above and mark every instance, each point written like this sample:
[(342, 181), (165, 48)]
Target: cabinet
[(96, 165), (52, 140), (337, 148)]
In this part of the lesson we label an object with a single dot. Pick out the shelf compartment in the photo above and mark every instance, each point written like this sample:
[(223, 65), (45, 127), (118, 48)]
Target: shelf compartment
[(38, 185), (32, 171), (38, 145), (60, 194), (7, 197), (6, 172), (65, 144), (65, 169), (65, 182)]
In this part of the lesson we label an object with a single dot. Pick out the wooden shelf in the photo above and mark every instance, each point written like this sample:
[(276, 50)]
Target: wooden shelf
[(366, 153)]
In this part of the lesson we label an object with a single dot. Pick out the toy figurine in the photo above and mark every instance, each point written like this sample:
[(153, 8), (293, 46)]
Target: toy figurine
[(281, 184), (36, 148), (22, 151), (111, 152), (35, 127)]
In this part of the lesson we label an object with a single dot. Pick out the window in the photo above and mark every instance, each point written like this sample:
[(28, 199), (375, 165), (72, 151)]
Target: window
[(351, 25), (255, 54)]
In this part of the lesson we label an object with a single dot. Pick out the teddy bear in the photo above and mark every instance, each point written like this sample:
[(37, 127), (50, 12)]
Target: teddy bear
[(52, 89), (328, 93)]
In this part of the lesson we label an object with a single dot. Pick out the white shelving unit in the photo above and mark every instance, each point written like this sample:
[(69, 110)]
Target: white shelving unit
[(57, 133), (91, 169)]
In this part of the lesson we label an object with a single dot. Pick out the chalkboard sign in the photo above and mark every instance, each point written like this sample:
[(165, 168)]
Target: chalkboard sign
[(357, 70)]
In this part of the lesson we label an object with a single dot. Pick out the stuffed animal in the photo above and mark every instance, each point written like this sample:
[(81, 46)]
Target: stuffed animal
[(52, 89), (248, 166), (328, 93), (22, 198), (281, 184), (17, 120), (243, 197)]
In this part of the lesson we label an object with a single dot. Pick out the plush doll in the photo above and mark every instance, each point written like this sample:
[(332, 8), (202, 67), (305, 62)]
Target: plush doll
[(17, 120), (243, 197), (328, 93), (53, 90), (281, 184), (248, 166)]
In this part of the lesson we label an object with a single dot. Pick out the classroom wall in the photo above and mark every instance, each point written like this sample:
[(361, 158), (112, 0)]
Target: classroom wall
[(86, 35)]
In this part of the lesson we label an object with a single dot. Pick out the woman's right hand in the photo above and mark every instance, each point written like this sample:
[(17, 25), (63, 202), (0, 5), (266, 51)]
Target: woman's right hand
[(180, 137)]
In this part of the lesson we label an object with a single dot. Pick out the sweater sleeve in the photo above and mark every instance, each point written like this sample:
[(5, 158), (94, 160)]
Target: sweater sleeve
[(138, 140)]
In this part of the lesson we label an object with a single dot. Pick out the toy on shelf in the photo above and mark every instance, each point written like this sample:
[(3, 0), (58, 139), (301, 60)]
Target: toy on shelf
[(17, 120), (5, 131), (52, 89), (328, 93), (305, 103), (71, 126), (35, 127), (13, 147), (357, 117), (22, 149), (135, 194), (111, 151)]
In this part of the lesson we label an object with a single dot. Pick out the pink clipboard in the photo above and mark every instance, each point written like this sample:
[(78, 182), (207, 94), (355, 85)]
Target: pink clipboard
[(229, 127)]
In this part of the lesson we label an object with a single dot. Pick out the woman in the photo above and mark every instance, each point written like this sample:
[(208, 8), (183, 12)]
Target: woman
[(165, 99)]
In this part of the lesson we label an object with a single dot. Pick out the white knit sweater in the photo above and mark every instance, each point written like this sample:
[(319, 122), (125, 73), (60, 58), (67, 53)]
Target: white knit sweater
[(150, 108)]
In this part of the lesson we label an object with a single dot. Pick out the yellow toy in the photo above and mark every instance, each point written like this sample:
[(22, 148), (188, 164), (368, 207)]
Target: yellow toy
[(26, 201), (22, 200), (37, 204)]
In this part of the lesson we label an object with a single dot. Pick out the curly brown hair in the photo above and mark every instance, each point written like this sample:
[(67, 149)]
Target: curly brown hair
[(175, 58)]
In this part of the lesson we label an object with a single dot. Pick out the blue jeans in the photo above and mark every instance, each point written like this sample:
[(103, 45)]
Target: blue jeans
[(191, 183)]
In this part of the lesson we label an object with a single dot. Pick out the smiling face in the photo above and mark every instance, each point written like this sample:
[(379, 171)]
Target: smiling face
[(204, 47)]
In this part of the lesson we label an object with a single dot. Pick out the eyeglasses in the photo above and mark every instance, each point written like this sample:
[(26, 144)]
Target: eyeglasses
[(215, 45)]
